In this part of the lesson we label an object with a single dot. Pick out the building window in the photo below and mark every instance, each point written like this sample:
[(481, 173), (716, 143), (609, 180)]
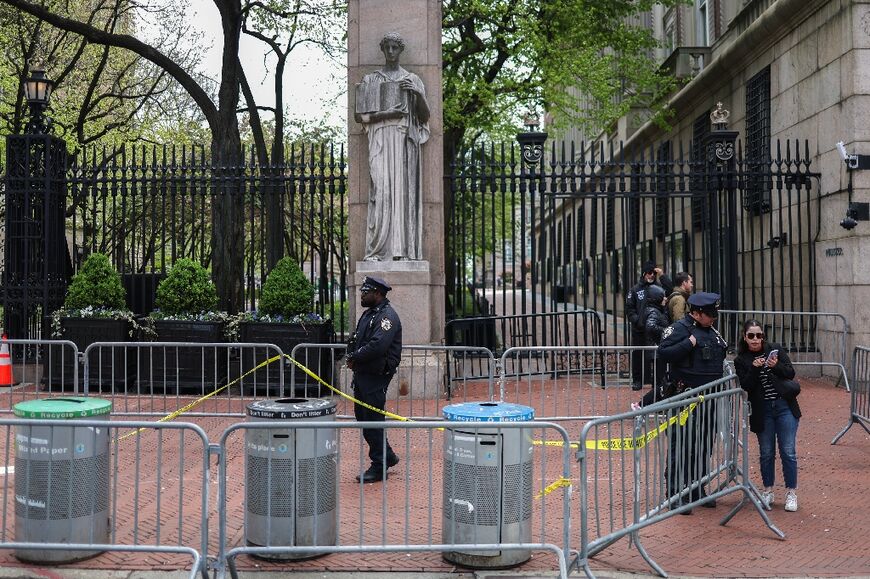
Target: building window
[(702, 27), (664, 186), (697, 168), (756, 196)]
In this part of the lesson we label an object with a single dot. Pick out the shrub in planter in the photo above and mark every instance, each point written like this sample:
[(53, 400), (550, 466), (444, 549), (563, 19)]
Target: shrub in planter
[(186, 312), (284, 318), (94, 311)]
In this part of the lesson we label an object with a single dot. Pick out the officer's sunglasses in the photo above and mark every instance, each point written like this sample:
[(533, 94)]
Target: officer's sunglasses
[(753, 335)]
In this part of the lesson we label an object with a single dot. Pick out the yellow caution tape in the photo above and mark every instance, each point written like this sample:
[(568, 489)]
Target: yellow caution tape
[(561, 482), (631, 442), (198, 401), (559, 443)]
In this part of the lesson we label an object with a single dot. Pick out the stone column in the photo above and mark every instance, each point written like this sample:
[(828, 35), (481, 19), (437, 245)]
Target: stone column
[(418, 286)]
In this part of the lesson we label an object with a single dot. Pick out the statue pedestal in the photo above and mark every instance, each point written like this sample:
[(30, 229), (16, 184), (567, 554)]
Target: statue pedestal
[(410, 296)]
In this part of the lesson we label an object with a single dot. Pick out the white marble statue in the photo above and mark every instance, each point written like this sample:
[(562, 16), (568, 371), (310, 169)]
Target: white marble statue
[(391, 105)]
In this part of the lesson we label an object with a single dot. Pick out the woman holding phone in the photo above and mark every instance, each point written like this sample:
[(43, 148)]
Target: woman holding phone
[(762, 367)]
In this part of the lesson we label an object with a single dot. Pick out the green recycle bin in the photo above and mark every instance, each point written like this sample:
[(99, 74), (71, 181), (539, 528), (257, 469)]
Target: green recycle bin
[(61, 478)]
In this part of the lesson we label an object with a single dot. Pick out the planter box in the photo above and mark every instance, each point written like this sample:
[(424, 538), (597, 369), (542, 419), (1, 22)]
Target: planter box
[(265, 381), (194, 369), (110, 369)]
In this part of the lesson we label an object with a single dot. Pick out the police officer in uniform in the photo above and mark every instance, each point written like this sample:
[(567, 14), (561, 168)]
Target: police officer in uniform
[(373, 355), (635, 302), (696, 353)]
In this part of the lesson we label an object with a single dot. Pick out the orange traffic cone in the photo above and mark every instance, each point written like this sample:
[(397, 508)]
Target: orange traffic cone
[(6, 378)]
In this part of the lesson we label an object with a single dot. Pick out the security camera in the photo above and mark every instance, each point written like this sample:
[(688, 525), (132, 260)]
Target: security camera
[(848, 223), (841, 146)]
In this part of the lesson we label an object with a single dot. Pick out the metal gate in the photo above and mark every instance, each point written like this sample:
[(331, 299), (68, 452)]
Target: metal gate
[(565, 227)]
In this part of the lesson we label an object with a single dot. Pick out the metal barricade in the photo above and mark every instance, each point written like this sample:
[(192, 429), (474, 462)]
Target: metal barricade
[(403, 513), (812, 339), (158, 488), (160, 378), (642, 467), (575, 382), (39, 368), (578, 327), (859, 406), (428, 377)]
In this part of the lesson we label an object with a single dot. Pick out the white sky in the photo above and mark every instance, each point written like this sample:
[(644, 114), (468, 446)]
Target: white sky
[(313, 85)]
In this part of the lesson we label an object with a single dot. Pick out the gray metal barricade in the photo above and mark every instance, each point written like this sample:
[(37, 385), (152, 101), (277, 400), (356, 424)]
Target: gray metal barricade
[(574, 382), (428, 377), (39, 368), (160, 378), (640, 468), (859, 405), (812, 339), (403, 513), (158, 487)]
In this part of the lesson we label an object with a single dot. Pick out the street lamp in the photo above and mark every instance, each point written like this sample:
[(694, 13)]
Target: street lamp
[(532, 141), (37, 90)]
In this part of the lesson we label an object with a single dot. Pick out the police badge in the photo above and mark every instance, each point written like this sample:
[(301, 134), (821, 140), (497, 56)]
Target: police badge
[(386, 324)]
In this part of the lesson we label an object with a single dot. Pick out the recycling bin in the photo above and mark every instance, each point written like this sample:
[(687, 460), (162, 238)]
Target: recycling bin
[(487, 483), (61, 478), (291, 476)]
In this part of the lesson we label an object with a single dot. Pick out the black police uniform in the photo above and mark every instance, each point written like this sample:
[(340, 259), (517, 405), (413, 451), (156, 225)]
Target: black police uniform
[(690, 367), (375, 350), (635, 302)]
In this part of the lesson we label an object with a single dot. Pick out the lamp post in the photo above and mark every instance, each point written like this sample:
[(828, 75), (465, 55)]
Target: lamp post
[(37, 90), (532, 152)]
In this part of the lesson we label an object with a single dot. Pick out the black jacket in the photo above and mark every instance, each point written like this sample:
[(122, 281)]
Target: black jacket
[(635, 302), (376, 346), (696, 365), (751, 382), (656, 322)]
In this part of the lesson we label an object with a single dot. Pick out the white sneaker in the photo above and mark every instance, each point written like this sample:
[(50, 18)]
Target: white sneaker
[(767, 499), (791, 501)]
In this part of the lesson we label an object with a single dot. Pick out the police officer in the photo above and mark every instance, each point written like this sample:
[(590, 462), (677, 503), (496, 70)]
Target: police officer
[(696, 353), (373, 355), (635, 302)]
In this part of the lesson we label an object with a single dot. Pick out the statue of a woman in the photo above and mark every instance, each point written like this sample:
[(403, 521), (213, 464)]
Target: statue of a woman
[(391, 105)]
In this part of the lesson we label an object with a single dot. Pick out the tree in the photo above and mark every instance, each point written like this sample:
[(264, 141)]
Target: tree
[(102, 94), (221, 116), (503, 57)]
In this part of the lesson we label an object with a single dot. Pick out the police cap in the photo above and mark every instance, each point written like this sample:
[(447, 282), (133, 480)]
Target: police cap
[(375, 283), (705, 302)]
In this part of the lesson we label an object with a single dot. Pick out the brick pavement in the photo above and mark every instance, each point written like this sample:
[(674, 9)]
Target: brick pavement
[(824, 538)]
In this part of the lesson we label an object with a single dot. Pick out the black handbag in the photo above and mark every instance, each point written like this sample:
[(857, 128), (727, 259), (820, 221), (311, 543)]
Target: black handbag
[(787, 388)]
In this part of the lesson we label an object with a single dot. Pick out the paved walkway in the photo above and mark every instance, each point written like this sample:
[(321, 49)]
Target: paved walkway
[(826, 537)]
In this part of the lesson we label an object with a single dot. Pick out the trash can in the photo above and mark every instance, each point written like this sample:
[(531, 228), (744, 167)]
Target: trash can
[(290, 476), (487, 483), (61, 478)]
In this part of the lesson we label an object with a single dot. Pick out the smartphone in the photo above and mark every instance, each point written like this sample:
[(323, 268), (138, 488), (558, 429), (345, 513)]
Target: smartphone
[(773, 353)]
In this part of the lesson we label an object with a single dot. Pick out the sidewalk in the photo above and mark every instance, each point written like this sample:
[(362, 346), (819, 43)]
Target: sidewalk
[(827, 537)]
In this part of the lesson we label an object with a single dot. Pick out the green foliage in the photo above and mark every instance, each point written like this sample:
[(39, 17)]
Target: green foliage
[(286, 292), (187, 289), (503, 57), (97, 284)]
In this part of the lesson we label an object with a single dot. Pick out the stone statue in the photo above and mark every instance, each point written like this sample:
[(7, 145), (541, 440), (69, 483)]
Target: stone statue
[(391, 105)]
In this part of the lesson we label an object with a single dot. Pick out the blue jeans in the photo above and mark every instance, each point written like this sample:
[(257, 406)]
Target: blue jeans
[(779, 425)]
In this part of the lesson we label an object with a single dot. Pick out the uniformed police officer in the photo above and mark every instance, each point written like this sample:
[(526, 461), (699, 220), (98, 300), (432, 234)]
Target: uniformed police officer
[(373, 355), (696, 353)]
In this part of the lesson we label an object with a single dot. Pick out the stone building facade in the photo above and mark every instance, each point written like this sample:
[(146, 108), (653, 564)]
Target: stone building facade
[(789, 72)]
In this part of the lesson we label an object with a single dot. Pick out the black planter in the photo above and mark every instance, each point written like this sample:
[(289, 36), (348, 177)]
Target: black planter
[(110, 369), (192, 369), (265, 381)]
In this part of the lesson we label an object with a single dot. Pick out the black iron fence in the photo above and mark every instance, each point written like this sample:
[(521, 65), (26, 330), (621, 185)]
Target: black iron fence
[(148, 206), (564, 227)]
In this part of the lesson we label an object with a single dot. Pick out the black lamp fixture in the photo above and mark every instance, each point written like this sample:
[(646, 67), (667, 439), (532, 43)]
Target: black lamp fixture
[(37, 90), (532, 141)]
